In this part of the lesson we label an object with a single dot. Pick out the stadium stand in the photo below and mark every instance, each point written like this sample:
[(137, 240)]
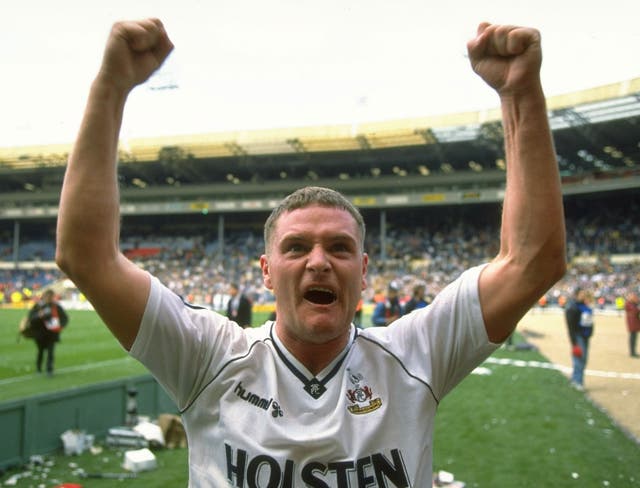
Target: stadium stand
[(430, 245), (429, 188)]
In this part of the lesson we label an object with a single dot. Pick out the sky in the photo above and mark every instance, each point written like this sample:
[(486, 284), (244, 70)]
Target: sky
[(252, 64)]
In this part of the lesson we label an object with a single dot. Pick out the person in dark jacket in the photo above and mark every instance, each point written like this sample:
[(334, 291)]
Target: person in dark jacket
[(418, 299), (389, 309), (239, 307), (572, 316), (47, 318), (579, 318)]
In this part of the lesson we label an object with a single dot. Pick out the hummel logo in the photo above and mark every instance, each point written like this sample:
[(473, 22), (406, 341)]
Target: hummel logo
[(257, 401)]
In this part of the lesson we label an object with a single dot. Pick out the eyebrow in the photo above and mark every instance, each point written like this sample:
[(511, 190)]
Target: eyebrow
[(341, 236)]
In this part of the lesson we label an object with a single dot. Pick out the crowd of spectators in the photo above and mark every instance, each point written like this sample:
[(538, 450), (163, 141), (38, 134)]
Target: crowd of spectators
[(430, 249)]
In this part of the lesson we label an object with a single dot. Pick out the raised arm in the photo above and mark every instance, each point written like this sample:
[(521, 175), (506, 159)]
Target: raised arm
[(88, 227), (532, 240)]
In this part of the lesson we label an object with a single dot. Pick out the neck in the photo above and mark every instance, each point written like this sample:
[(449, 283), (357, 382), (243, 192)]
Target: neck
[(314, 357)]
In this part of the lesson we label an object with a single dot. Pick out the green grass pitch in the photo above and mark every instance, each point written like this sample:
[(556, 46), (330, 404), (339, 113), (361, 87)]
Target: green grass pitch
[(516, 427)]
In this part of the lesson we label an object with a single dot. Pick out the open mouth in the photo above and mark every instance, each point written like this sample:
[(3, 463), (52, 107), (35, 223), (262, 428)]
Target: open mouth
[(320, 296)]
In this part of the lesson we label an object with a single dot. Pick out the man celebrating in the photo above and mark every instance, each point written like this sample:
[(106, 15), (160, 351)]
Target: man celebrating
[(309, 400)]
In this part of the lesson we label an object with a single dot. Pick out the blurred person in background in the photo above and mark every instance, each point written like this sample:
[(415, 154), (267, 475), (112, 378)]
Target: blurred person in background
[(572, 315), (47, 318), (632, 316), (357, 317), (311, 399), (417, 300), (239, 307), (579, 319), (389, 309)]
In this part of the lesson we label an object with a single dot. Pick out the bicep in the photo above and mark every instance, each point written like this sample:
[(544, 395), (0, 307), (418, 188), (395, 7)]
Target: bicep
[(505, 297), (119, 292)]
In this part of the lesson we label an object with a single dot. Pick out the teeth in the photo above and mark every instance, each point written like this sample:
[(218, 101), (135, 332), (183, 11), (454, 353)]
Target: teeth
[(317, 288), (320, 295)]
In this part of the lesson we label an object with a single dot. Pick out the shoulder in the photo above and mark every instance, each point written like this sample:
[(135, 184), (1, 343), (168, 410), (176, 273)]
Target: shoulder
[(571, 306)]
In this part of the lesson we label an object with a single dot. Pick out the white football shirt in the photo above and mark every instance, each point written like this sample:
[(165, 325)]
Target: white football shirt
[(254, 413)]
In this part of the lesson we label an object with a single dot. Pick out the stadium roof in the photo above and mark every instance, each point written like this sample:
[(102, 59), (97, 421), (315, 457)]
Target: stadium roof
[(596, 132)]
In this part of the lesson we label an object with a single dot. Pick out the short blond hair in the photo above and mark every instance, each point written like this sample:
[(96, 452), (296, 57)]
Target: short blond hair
[(305, 197)]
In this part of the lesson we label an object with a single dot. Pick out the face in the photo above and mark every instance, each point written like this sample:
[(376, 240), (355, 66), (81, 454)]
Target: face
[(585, 296), (316, 269)]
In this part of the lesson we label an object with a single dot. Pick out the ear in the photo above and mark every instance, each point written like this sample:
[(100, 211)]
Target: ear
[(266, 277), (365, 264)]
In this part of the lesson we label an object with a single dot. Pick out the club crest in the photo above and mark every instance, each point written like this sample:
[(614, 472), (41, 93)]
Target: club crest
[(361, 396)]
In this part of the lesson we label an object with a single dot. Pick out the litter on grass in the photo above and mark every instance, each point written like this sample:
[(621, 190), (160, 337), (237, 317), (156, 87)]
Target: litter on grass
[(75, 442), (445, 479), (139, 460)]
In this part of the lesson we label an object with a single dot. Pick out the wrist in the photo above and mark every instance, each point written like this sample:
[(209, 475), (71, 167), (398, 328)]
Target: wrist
[(106, 88)]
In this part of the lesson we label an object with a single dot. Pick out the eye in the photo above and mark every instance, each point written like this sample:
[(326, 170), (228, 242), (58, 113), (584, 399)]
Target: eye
[(294, 248), (342, 248)]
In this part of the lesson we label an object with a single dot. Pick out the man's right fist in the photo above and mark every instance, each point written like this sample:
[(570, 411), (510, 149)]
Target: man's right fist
[(135, 49)]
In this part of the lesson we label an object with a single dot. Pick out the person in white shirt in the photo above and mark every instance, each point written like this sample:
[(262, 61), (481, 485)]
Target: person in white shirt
[(309, 400)]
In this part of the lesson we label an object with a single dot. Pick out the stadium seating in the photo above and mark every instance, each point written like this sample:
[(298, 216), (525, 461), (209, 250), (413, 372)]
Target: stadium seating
[(432, 246)]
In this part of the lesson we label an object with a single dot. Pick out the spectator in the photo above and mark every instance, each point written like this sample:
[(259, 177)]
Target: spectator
[(389, 308), (357, 317), (632, 314), (47, 319), (239, 307), (417, 300), (579, 318)]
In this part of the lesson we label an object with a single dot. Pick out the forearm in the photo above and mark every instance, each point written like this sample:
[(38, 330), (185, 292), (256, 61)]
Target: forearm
[(88, 231), (533, 231), (532, 240), (88, 223)]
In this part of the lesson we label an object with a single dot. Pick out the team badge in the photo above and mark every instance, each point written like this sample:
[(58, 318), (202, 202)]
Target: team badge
[(361, 396), (315, 388)]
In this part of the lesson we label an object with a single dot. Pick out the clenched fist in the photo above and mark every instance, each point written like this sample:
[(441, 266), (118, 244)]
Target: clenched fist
[(506, 57), (134, 50)]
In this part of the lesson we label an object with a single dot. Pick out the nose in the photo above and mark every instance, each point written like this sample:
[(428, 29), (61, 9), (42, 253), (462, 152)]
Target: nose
[(318, 260)]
